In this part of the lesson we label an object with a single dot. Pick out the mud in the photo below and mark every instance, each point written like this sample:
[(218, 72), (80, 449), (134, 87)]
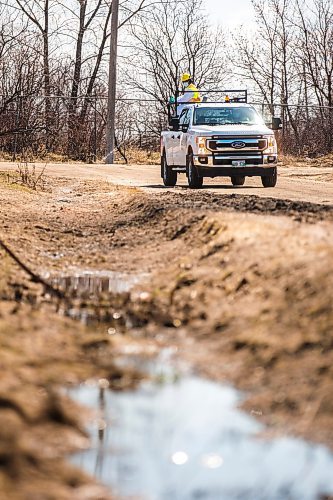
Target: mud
[(243, 296), (298, 210)]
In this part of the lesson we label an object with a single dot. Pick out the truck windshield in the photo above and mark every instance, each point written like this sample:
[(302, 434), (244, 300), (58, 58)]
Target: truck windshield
[(226, 116)]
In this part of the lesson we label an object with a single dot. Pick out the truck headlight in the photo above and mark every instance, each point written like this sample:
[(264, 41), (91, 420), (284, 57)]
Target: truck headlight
[(271, 145), (201, 143)]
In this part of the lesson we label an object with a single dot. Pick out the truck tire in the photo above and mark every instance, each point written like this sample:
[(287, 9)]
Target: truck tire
[(269, 181), (193, 178), (238, 180), (168, 175)]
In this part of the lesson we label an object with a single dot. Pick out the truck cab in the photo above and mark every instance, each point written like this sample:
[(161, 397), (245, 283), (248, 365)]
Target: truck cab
[(226, 139)]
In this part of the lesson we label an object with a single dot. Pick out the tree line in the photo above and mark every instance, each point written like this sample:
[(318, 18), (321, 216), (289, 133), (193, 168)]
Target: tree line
[(290, 62), (54, 64)]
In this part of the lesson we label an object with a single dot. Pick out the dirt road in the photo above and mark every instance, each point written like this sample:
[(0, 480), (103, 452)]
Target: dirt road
[(238, 281), (308, 183)]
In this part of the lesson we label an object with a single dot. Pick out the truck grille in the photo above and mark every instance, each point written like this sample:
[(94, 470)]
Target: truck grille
[(237, 145), (255, 160)]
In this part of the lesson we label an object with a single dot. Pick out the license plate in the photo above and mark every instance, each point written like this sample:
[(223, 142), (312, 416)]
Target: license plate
[(240, 163)]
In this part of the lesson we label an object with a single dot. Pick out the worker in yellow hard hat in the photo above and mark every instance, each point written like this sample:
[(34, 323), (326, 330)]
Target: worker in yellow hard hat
[(191, 93)]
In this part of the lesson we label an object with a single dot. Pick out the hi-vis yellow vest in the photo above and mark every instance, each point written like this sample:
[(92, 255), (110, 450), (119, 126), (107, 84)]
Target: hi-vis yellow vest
[(197, 96)]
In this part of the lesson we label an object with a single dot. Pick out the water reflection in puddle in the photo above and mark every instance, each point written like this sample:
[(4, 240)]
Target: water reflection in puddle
[(185, 439), (93, 296), (95, 283)]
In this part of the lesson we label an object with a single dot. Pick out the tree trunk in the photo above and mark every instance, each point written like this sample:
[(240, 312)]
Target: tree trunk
[(73, 125), (47, 82)]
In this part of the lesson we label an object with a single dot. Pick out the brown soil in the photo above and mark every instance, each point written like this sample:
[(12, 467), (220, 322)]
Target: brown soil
[(241, 285)]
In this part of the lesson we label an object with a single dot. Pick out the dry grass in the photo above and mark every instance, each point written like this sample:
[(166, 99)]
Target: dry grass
[(301, 161), (140, 156), (25, 176), (152, 157), (28, 176), (133, 155)]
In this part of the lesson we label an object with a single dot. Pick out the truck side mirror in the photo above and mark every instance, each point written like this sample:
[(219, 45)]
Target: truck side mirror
[(174, 123), (276, 123), (185, 127)]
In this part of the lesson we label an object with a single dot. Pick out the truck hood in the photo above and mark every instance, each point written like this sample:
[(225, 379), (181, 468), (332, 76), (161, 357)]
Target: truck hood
[(238, 130)]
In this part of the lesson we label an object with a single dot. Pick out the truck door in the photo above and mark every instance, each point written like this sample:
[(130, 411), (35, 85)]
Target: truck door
[(169, 140), (180, 149)]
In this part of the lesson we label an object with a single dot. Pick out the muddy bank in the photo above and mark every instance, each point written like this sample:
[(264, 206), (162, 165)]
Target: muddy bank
[(298, 210), (41, 352), (253, 305), (243, 295)]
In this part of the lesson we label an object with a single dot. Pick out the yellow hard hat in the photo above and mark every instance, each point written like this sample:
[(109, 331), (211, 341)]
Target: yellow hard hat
[(186, 77)]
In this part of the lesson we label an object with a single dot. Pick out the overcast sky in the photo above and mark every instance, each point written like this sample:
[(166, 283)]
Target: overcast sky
[(229, 13)]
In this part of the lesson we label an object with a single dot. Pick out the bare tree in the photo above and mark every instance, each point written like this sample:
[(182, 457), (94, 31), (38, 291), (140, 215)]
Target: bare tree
[(91, 22), (174, 36), (315, 53), (20, 74), (290, 61), (38, 13)]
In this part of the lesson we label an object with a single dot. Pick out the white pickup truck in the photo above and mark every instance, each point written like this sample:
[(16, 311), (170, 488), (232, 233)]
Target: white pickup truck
[(214, 139)]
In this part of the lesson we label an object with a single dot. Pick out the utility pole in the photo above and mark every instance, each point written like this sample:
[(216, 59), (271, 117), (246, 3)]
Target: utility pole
[(111, 118)]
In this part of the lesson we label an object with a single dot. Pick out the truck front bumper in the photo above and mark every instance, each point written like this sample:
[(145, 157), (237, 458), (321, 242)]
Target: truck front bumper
[(219, 165)]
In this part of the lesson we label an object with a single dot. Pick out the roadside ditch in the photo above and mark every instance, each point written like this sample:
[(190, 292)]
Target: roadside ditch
[(242, 299)]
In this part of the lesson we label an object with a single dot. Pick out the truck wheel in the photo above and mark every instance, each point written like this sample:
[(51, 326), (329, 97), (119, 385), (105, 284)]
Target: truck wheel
[(194, 180), (238, 180), (269, 181), (169, 176)]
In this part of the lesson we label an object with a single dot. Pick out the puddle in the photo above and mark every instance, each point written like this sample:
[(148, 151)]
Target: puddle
[(183, 438), (95, 283), (94, 295)]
